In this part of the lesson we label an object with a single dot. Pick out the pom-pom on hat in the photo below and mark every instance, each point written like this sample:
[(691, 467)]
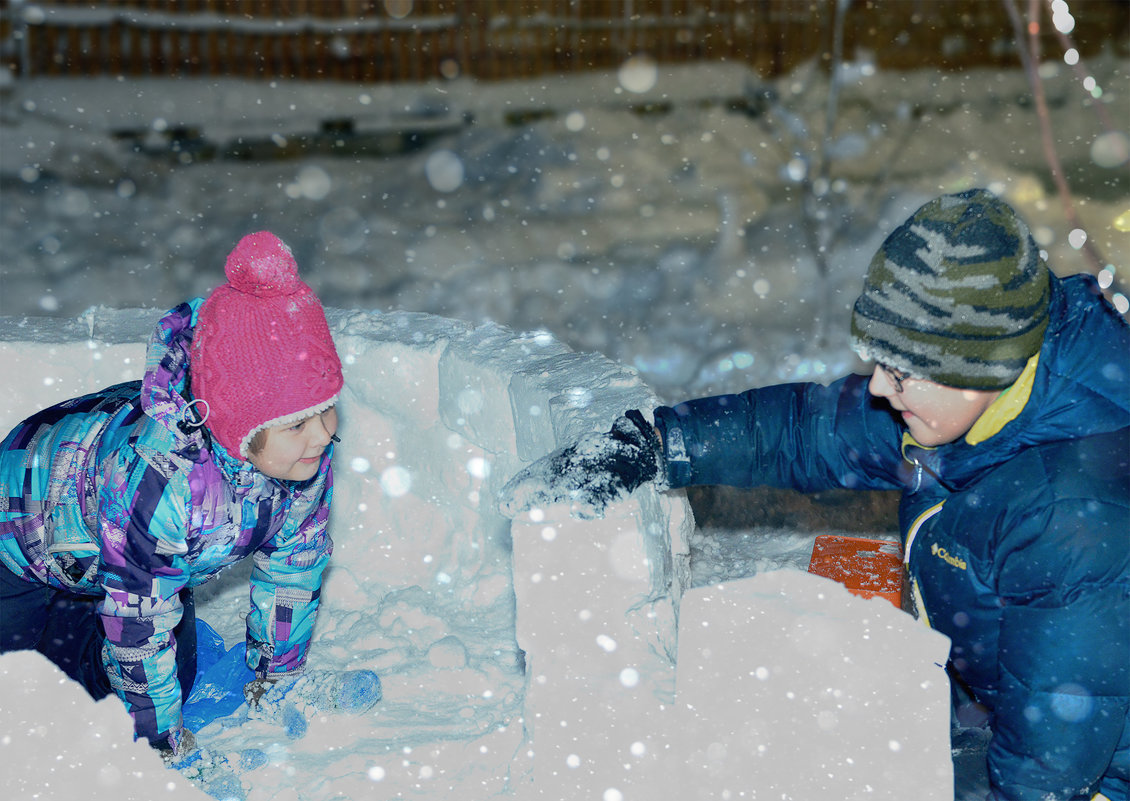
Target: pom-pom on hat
[(957, 295), (262, 354)]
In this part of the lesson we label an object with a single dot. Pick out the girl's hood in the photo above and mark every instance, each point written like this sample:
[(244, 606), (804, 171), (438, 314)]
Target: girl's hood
[(165, 382), (166, 391)]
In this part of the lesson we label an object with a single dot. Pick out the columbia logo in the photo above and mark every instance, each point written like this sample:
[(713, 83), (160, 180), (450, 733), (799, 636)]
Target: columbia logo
[(945, 556)]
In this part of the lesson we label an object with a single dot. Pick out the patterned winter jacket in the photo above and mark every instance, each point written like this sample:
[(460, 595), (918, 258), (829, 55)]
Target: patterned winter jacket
[(114, 495), (1017, 537)]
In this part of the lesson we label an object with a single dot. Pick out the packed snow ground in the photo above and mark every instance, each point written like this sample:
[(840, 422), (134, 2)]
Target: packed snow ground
[(671, 240)]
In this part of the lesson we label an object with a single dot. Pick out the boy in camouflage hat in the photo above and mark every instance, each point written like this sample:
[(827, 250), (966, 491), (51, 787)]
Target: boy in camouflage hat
[(958, 295), (1000, 406)]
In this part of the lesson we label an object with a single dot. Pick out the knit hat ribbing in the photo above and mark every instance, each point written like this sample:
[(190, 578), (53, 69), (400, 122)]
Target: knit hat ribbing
[(957, 295), (262, 354)]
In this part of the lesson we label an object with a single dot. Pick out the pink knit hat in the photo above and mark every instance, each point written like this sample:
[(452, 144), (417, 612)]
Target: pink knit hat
[(262, 354)]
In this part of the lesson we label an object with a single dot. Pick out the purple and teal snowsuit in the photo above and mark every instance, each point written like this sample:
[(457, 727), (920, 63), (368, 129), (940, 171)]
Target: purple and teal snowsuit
[(116, 496)]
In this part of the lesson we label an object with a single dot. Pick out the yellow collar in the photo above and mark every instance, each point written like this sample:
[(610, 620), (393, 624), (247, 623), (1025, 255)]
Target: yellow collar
[(908, 440), (1006, 407)]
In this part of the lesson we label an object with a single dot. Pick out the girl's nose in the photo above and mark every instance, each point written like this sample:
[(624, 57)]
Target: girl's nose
[(320, 433)]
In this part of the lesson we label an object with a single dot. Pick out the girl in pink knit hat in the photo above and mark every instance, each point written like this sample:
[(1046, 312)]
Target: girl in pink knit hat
[(117, 504)]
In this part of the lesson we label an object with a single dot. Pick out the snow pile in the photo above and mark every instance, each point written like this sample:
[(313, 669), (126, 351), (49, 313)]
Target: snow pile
[(865, 718), (783, 685), (58, 744), (537, 658)]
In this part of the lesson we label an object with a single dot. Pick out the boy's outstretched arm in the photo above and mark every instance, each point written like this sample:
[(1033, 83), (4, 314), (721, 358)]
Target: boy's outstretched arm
[(597, 470)]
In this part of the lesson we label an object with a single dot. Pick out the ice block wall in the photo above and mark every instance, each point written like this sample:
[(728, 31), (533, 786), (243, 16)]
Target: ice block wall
[(784, 684), (436, 415)]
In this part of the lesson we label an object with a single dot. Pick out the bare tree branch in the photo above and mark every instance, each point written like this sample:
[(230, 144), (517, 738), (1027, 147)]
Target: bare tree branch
[(1030, 58)]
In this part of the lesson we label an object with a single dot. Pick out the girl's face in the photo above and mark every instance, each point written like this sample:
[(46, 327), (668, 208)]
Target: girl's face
[(934, 414), (293, 452)]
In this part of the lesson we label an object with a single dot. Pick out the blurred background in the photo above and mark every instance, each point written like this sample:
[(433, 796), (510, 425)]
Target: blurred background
[(366, 41)]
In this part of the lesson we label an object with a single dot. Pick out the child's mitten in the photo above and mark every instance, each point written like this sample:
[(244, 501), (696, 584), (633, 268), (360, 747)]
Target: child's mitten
[(180, 745), (255, 689), (597, 470), (355, 691), (315, 691)]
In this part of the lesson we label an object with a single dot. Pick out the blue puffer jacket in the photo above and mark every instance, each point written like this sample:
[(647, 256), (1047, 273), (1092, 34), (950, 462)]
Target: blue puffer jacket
[(109, 495), (1017, 537)]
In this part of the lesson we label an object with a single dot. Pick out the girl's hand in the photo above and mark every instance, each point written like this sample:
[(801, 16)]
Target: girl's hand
[(255, 689), (181, 744)]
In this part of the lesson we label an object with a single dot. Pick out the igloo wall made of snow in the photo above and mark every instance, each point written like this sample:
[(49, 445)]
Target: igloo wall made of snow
[(436, 415), (547, 637)]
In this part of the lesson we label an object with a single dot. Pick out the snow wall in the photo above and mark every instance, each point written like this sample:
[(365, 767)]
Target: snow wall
[(787, 686)]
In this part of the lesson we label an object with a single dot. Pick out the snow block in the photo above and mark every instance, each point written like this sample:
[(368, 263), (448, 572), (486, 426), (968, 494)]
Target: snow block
[(789, 686), (395, 360), (475, 374), (557, 400), (596, 617), (60, 359), (59, 744)]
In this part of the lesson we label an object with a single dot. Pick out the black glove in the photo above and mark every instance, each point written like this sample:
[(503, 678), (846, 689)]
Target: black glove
[(597, 470)]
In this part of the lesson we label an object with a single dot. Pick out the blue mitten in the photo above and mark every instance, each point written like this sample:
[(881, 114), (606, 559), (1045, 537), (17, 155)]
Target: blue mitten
[(597, 470), (287, 702)]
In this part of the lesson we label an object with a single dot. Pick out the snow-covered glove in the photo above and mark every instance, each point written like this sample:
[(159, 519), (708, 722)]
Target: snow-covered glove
[(255, 689), (350, 690), (597, 470), (288, 703), (179, 747)]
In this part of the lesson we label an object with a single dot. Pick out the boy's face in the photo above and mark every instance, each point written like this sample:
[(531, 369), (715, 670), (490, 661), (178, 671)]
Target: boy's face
[(934, 414), (293, 452)]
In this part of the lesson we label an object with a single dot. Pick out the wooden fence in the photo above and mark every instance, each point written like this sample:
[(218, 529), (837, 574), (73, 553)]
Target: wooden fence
[(414, 40)]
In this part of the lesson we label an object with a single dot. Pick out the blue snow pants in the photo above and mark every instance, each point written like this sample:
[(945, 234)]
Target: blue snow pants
[(66, 629)]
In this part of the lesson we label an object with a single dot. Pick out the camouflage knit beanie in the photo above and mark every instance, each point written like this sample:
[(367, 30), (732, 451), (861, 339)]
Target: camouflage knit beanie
[(957, 295)]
